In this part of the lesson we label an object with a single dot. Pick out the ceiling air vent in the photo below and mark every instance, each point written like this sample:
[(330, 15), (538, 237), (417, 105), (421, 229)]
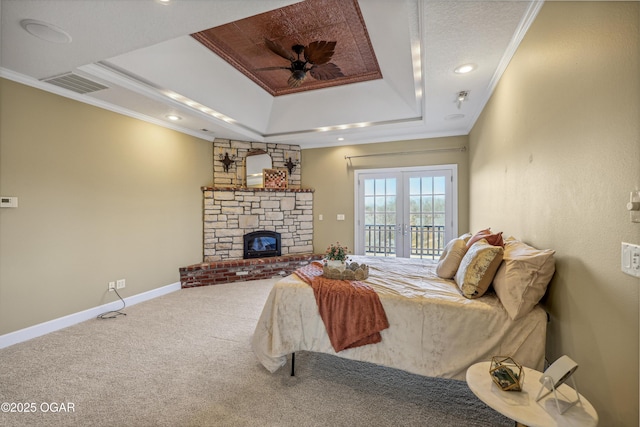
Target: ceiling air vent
[(75, 83)]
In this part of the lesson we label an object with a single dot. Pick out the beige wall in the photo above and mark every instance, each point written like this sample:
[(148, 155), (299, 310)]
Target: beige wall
[(327, 171), (553, 158), (101, 197)]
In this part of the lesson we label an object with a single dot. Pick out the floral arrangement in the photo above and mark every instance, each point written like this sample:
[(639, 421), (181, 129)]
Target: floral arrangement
[(336, 252)]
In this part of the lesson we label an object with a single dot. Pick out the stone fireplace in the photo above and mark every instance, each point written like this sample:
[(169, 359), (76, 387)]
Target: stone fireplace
[(232, 212)]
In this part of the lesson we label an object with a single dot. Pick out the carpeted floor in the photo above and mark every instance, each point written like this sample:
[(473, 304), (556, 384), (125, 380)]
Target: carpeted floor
[(184, 359)]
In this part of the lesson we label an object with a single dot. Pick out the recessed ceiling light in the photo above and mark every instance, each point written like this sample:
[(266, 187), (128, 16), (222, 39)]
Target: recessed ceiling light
[(454, 117), (173, 117), (45, 31), (464, 69), (164, 2), (341, 139)]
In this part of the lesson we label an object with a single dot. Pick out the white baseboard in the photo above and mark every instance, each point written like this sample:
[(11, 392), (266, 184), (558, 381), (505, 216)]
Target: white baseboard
[(66, 321)]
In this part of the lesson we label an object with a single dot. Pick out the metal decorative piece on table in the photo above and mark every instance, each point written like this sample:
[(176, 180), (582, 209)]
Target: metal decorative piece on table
[(506, 373)]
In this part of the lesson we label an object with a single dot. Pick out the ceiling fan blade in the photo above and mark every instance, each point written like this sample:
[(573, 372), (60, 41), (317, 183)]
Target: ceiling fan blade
[(319, 52), (279, 50), (325, 71), (272, 68)]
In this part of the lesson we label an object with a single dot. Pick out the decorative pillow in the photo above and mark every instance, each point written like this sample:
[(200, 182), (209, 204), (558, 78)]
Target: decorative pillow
[(452, 256), (523, 277), (478, 267), (494, 239)]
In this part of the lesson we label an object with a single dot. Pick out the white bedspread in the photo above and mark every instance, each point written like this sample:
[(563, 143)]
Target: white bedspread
[(434, 330)]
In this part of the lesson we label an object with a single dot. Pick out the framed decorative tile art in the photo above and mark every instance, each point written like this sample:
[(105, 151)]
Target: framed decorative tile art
[(274, 178)]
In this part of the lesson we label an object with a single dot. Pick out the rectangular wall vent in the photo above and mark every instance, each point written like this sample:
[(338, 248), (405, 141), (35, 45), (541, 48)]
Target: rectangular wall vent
[(75, 83)]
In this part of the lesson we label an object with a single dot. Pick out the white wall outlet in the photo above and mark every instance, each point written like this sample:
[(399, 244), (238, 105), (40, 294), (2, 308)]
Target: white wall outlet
[(631, 259), (112, 286), (120, 284), (340, 217), (320, 217)]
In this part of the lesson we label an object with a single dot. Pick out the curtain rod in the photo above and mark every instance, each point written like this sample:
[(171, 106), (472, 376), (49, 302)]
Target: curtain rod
[(432, 150)]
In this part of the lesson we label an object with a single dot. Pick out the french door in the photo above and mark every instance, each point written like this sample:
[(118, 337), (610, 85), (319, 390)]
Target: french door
[(408, 212)]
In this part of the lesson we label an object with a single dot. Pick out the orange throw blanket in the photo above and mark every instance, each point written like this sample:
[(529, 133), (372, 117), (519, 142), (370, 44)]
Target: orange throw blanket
[(351, 310)]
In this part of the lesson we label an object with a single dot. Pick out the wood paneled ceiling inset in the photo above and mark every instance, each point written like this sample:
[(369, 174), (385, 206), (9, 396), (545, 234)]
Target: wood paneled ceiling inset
[(241, 43)]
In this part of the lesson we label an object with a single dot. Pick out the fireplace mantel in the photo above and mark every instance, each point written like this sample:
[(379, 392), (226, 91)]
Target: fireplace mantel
[(260, 189)]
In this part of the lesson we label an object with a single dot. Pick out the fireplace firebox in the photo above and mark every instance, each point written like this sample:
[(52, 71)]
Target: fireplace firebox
[(262, 244)]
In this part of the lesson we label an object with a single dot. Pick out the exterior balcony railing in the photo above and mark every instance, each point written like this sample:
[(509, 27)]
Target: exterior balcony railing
[(426, 241)]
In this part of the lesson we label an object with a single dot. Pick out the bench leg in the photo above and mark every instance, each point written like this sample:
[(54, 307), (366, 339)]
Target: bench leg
[(293, 364)]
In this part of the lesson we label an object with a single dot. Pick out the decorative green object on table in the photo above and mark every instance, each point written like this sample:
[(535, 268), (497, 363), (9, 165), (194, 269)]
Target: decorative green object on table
[(506, 373)]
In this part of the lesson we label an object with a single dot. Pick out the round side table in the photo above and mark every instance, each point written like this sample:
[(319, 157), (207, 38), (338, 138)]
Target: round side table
[(521, 406)]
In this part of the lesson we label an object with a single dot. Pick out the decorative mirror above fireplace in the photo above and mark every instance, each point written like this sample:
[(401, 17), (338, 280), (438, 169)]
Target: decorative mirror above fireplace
[(254, 163)]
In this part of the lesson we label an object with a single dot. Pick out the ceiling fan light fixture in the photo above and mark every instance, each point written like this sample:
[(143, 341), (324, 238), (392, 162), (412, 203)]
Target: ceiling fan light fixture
[(315, 60), (464, 68), (461, 97)]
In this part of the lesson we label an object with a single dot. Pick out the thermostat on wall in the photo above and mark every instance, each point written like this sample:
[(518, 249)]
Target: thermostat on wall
[(8, 202)]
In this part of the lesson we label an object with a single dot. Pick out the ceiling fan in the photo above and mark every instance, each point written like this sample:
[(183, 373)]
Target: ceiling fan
[(317, 54)]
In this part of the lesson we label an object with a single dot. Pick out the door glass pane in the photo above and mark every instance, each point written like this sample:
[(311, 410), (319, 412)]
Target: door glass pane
[(368, 187), (439, 204), (439, 185), (427, 204), (380, 218), (391, 187), (427, 185), (424, 207)]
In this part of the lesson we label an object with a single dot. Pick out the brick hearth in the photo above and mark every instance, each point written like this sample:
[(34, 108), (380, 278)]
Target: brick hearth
[(217, 272)]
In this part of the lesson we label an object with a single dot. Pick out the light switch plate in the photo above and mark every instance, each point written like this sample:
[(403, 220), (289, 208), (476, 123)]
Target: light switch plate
[(630, 259), (635, 197)]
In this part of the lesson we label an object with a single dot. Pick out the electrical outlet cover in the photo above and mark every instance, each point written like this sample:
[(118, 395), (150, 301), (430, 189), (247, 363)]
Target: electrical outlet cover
[(630, 259)]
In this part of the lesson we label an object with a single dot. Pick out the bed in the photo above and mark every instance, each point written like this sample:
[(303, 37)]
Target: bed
[(433, 329)]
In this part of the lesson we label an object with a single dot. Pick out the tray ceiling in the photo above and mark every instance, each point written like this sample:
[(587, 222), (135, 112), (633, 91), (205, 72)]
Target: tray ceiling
[(144, 53), (241, 43)]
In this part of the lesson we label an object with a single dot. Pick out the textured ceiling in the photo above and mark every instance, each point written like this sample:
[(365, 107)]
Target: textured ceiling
[(241, 43)]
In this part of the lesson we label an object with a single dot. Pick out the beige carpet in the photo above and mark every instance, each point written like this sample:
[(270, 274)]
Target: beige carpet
[(184, 359)]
